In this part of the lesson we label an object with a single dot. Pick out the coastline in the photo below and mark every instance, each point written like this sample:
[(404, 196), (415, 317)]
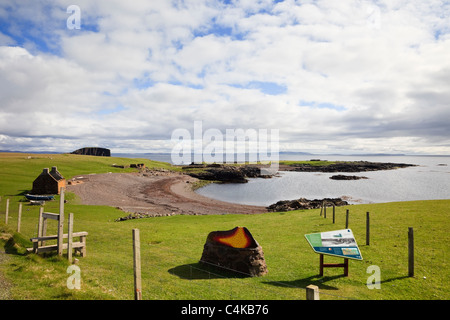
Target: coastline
[(153, 193), (159, 192)]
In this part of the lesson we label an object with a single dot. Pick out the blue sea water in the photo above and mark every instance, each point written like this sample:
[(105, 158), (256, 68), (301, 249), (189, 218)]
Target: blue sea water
[(428, 180)]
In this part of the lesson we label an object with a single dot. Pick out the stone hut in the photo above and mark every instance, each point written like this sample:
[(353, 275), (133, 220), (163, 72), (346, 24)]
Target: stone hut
[(48, 182)]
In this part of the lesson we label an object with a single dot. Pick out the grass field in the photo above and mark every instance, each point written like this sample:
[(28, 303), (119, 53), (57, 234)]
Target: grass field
[(172, 246)]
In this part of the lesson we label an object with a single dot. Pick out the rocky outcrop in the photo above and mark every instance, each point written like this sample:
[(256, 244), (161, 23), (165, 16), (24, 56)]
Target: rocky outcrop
[(355, 166), (302, 203), (93, 151), (225, 173), (240, 173), (344, 177), (242, 254)]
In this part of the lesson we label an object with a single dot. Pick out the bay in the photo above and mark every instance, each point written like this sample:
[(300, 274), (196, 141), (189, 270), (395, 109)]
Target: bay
[(428, 180)]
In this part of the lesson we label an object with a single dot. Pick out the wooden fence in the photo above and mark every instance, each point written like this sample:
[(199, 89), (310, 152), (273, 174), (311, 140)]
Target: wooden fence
[(39, 242)]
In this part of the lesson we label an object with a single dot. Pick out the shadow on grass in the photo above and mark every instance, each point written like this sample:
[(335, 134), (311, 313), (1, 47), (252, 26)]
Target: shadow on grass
[(14, 245), (18, 194), (201, 271), (23, 192), (303, 283), (394, 279), (13, 242)]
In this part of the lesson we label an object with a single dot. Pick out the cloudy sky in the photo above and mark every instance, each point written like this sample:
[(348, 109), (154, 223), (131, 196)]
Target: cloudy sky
[(347, 76)]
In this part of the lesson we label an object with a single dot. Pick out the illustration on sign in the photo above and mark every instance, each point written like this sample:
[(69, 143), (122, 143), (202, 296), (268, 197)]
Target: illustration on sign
[(339, 243)]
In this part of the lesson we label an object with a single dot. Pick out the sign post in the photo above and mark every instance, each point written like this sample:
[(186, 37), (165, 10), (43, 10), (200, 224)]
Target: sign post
[(339, 243)]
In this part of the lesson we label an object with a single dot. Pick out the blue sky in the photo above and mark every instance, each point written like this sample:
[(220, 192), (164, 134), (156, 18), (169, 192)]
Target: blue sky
[(353, 76)]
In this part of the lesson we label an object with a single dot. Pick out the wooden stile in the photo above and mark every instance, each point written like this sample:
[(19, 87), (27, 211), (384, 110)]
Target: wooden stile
[(39, 242), (49, 215), (61, 222), (70, 238)]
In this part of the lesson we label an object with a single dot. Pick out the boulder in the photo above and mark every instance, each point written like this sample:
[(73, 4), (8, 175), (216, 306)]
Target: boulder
[(235, 250)]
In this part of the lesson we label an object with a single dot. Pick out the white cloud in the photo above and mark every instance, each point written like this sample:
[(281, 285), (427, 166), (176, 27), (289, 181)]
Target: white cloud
[(358, 74)]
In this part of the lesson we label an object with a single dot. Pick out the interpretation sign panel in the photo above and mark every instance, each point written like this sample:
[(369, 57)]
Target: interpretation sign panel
[(340, 243)]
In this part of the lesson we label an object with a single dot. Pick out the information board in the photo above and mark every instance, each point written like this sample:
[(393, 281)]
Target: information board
[(339, 243)]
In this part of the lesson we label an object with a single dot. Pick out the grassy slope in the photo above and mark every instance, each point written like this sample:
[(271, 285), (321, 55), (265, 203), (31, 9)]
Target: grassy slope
[(172, 246)]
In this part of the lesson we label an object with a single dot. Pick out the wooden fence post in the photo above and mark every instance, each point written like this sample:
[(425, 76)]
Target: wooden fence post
[(334, 212), (61, 223), (19, 217), (42, 225), (312, 292), (346, 219), (7, 211), (137, 265), (367, 229), (70, 238), (410, 252)]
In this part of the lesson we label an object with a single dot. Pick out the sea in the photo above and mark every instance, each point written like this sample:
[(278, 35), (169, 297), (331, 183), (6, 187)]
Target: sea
[(429, 179)]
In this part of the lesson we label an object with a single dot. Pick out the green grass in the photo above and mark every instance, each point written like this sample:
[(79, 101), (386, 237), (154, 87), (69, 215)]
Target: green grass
[(172, 246)]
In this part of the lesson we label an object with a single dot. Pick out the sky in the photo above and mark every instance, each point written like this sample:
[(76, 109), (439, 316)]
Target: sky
[(349, 76)]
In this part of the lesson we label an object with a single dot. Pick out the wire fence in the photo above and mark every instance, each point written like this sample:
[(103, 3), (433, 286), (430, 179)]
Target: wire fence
[(194, 280), (191, 279)]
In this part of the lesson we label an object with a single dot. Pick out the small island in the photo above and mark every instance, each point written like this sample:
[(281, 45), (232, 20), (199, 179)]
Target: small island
[(339, 166)]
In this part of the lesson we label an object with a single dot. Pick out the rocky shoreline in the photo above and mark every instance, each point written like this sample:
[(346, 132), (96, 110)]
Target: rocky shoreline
[(228, 173), (302, 204), (344, 177), (156, 193), (225, 173), (354, 166)]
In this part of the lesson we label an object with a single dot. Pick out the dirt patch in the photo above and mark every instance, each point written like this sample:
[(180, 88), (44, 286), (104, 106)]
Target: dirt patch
[(152, 192)]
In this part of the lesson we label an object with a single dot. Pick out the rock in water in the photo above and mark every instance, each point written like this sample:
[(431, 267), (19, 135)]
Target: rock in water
[(345, 177), (302, 204), (236, 250), (227, 173)]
